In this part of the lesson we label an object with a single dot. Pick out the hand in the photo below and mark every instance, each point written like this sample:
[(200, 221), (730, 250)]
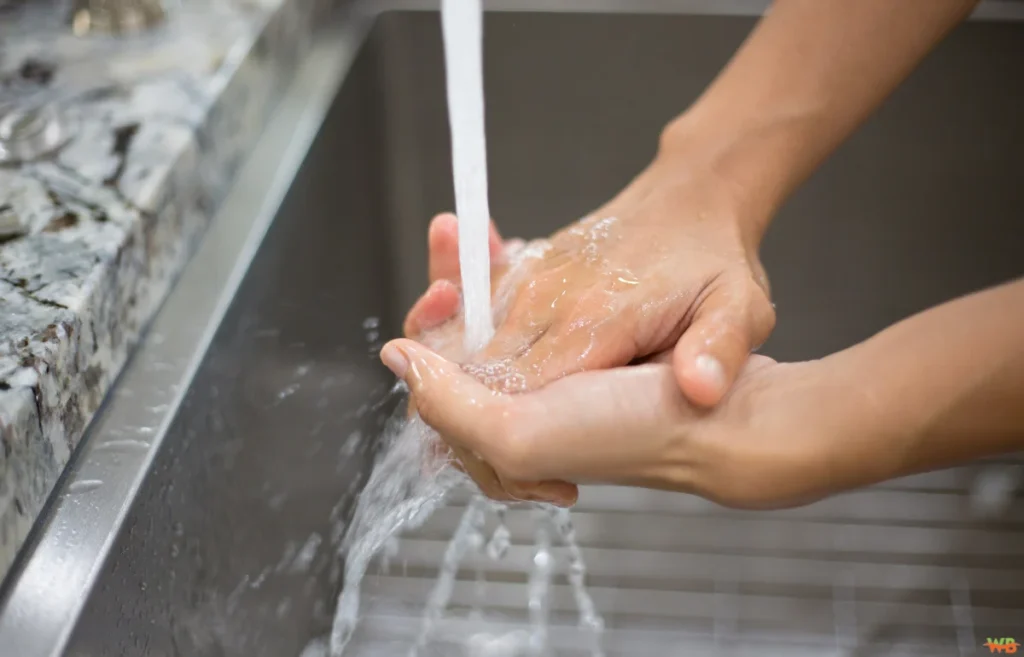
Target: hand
[(608, 291), (670, 264), (441, 302), (785, 434), (429, 322)]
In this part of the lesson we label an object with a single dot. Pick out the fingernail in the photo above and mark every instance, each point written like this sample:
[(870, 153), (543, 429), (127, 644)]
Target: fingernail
[(711, 370), (549, 499), (551, 494), (395, 360)]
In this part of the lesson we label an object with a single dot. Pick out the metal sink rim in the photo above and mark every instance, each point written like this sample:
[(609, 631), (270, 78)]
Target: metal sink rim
[(49, 585)]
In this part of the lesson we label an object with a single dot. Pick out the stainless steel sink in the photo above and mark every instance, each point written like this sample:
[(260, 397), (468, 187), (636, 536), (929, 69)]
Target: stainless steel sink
[(200, 517)]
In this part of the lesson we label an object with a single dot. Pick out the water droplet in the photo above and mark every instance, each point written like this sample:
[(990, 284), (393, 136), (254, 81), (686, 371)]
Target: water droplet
[(84, 486), (125, 445), (498, 546)]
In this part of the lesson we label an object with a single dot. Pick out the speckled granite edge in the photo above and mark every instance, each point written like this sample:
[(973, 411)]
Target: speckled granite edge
[(108, 223)]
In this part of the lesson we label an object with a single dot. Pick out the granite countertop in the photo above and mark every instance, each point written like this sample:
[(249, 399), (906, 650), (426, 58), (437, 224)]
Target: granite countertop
[(92, 237)]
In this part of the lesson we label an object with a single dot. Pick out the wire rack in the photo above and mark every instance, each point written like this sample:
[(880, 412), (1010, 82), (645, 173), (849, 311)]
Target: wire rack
[(915, 567)]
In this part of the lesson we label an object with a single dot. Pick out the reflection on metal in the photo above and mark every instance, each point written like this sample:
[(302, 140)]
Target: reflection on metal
[(48, 594), (28, 133), (116, 16)]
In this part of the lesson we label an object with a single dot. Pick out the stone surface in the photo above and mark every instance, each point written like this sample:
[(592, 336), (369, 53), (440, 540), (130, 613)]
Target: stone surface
[(92, 237)]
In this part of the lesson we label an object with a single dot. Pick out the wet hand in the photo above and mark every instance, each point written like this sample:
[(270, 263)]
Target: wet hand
[(430, 321), (785, 434), (670, 264)]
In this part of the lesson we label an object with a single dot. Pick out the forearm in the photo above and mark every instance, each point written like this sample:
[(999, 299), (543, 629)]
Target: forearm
[(945, 386), (808, 75)]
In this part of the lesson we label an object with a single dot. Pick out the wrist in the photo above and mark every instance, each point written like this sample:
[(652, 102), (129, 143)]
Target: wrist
[(874, 432), (947, 383), (760, 159)]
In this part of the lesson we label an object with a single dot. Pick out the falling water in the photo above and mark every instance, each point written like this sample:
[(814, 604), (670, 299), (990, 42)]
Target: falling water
[(406, 485), (462, 27), (467, 537), (590, 621), (399, 495), (540, 581)]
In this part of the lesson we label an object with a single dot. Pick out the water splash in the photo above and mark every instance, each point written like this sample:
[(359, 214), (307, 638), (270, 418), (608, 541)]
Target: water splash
[(589, 619), (540, 582), (467, 538), (410, 482), (406, 486)]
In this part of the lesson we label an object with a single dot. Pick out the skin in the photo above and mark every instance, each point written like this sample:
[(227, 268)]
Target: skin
[(668, 270), (942, 387)]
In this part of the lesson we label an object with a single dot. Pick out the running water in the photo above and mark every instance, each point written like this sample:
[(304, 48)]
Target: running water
[(467, 538), (409, 482), (398, 496), (590, 621), (539, 600), (462, 29)]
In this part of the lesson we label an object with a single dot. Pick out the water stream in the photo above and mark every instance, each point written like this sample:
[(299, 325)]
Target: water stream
[(462, 30), (406, 486)]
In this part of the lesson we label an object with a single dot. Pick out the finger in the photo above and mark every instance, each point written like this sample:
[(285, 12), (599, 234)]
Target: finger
[(437, 305), (443, 248), (713, 349), (443, 244), (448, 399), (495, 244), (559, 493), (564, 348), (623, 425), (661, 358), (483, 475), (468, 415), (441, 453)]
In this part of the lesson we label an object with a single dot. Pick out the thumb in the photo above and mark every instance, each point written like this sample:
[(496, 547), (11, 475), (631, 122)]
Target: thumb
[(448, 399), (725, 329)]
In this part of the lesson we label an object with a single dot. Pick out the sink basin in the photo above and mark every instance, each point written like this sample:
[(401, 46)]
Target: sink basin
[(255, 399)]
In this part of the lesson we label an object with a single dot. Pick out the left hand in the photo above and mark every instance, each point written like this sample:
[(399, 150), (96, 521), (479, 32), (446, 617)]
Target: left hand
[(786, 434)]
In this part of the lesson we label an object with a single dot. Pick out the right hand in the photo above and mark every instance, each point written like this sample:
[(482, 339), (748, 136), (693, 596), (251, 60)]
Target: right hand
[(670, 264)]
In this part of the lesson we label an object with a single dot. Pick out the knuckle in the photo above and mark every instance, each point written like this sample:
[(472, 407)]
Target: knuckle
[(516, 490), (762, 317)]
